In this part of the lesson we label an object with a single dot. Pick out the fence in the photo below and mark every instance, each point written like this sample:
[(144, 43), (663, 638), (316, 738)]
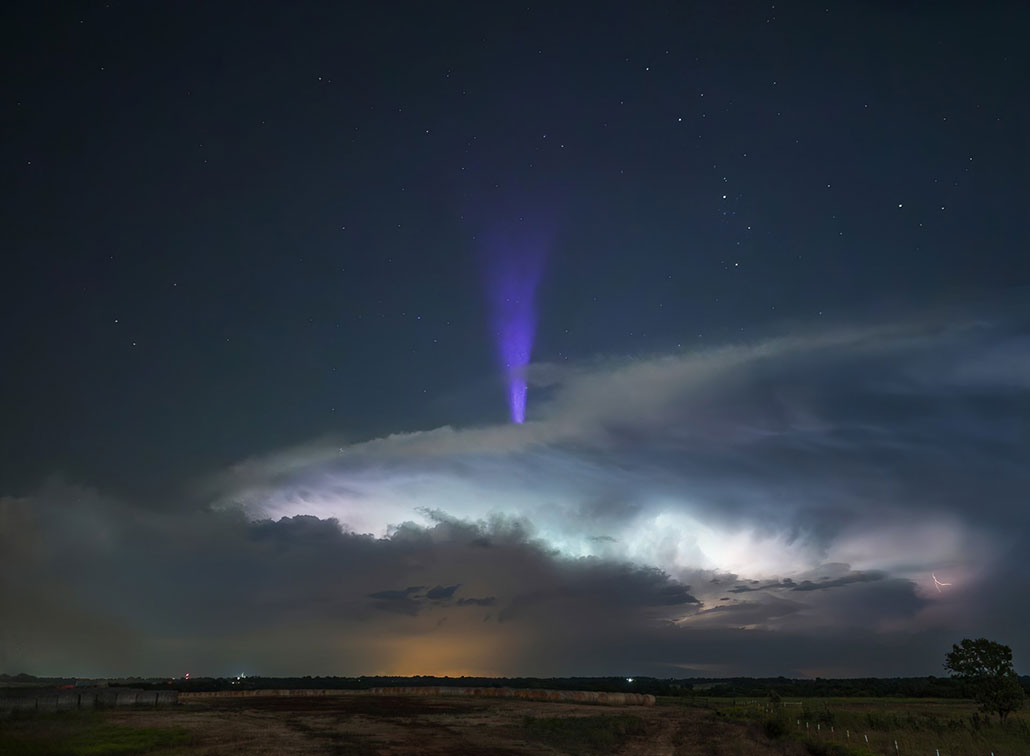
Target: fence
[(572, 696), (71, 700)]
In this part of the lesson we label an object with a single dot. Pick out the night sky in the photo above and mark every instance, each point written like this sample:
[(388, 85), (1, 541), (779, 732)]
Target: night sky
[(277, 278)]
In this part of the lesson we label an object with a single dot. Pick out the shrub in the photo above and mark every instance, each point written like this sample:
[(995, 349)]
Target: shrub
[(775, 727)]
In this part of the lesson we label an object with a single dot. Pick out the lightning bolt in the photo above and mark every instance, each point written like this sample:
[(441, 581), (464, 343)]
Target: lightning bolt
[(938, 583)]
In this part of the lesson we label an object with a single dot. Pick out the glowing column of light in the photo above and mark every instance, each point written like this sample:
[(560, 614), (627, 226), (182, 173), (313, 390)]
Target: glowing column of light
[(515, 329), (516, 263)]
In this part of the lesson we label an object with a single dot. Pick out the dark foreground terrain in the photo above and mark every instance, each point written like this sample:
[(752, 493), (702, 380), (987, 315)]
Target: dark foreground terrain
[(367, 725)]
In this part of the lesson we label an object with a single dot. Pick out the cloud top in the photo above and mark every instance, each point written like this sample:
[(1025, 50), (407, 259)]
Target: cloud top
[(750, 509)]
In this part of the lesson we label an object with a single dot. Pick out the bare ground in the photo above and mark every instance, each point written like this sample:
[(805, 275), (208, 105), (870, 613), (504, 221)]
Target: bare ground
[(374, 725)]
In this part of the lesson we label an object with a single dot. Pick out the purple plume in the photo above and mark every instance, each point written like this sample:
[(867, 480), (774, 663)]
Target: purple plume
[(515, 263)]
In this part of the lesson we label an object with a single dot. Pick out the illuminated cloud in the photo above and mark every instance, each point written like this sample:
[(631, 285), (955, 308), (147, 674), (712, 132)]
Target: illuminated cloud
[(760, 460), (767, 508)]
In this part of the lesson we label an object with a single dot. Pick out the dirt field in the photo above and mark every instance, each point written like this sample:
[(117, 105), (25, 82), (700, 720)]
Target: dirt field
[(394, 724), (366, 725)]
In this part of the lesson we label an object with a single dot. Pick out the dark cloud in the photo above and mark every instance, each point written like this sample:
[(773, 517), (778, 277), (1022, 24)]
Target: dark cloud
[(471, 601), (824, 583), (159, 592), (411, 607), (810, 585), (440, 592), (817, 480), (304, 578), (398, 595), (747, 613)]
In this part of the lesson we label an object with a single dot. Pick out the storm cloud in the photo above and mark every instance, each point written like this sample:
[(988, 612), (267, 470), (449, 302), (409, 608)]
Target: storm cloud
[(774, 507)]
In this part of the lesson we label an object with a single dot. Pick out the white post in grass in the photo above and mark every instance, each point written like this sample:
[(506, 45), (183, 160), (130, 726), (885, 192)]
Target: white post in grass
[(896, 747), (867, 739)]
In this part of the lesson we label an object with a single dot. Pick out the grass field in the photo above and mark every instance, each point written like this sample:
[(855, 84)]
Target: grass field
[(393, 725), (84, 733), (453, 726), (926, 726), (585, 735)]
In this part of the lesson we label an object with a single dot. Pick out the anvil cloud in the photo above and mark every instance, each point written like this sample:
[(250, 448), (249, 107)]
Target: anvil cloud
[(773, 507)]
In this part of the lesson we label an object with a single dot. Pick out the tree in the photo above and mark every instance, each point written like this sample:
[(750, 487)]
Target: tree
[(987, 667)]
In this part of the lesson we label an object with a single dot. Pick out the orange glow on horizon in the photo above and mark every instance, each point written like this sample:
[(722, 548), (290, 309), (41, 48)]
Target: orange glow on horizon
[(445, 655)]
